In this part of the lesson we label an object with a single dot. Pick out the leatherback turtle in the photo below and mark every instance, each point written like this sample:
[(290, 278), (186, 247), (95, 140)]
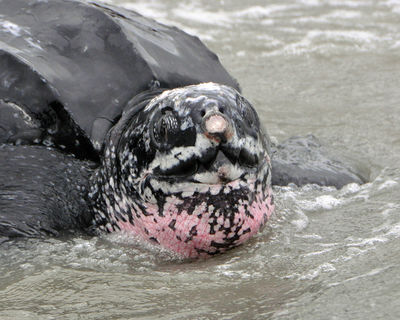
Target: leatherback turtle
[(110, 121)]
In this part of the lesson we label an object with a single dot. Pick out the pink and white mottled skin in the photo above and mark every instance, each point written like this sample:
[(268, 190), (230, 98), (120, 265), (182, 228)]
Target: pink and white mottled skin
[(174, 229), (190, 173)]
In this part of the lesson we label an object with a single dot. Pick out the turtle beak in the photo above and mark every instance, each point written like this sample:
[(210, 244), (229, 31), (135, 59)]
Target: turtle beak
[(225, 169), (219, 170)]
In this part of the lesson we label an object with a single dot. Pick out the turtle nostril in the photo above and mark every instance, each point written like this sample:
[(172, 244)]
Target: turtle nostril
[(221, 109), (203, 113)]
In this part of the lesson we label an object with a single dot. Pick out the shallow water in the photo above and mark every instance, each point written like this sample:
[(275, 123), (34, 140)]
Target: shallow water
[(326, 67)]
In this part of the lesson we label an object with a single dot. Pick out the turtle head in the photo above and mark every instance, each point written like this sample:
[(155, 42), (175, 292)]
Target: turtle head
[(190, 171)]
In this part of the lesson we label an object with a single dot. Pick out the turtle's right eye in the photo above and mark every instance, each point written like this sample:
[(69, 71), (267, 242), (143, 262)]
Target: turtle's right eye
[(165, 129)]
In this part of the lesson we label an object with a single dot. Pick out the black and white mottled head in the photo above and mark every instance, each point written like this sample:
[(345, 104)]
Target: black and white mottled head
[(189, 171)]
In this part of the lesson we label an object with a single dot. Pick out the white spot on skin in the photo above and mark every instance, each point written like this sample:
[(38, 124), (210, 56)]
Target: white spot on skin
[(206, 177), (215, 189), (198, 99), (187, 194), (228, 172), (176, 94), (186, 124), (227, 223), (178, 154)]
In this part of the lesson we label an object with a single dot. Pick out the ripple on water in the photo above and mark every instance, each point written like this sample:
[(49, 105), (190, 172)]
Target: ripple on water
[(310, 247)]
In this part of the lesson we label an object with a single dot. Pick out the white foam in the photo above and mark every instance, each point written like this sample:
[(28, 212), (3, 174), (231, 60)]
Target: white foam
[(373, 272), (343, 14), (394, 231), (323, 268), (317, 253), (349, 3), (258, 12), (149, 9), (350, 189), (310, 236), (302, 222), (387, 184), (367, 242), (352, 36), (326, 40), (219, 18), (329, 245), (311, 3), (326, 202)]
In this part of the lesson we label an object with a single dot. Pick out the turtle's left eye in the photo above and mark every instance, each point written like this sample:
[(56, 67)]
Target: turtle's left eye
[(165, 129)]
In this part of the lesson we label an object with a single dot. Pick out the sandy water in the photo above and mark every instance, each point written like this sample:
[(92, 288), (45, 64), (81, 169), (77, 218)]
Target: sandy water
[(327, 67)]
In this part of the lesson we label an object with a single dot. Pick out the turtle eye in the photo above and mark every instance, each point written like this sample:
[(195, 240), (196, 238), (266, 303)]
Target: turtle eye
[(166, 129)]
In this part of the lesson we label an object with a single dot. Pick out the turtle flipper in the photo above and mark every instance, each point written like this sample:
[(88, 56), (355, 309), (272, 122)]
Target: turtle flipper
[(42, 192), (302, 160)]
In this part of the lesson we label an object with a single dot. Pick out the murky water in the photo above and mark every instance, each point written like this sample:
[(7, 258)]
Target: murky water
[(327, 67)]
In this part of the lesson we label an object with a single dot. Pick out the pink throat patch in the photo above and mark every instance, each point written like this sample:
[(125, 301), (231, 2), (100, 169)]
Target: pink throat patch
[(201, 230)]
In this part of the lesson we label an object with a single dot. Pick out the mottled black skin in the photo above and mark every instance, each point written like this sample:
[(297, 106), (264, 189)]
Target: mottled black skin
[(138, 134), (89, 64)]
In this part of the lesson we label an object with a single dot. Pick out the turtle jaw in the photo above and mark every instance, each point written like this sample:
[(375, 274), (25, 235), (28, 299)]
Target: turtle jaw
[(204, 215), (209, 162), (200, 221), (203, 220), (191, 218), (217, 170)]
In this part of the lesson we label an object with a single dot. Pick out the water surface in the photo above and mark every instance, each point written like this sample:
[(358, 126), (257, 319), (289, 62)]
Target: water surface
[(327, 67)]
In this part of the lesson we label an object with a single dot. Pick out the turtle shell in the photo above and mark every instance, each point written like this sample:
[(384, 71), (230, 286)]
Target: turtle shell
[(71, 67)]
